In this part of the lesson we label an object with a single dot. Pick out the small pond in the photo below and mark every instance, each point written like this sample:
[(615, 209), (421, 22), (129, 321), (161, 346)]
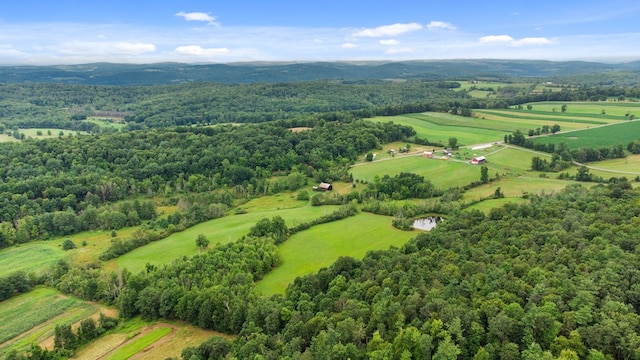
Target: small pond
[(427, 223)]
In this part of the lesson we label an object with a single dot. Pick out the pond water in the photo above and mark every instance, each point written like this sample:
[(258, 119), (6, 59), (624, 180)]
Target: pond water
[(427, 223)]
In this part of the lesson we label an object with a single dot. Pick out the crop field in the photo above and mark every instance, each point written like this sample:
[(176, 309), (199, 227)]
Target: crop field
[(31, 317), (621, 133), (310, 250), (30, 258), (144, 341), (217, 231)]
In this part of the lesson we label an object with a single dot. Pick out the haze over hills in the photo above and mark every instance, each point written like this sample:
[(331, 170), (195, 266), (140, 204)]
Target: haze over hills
[(173, 73)]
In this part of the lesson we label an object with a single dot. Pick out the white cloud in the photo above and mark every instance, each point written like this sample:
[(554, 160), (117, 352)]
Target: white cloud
[(496, 39), (388, 30), (349, 45), (196, 50), (389, 42), (197, 16), (506, 39), (440, 25), (535, 41), (105, 47)]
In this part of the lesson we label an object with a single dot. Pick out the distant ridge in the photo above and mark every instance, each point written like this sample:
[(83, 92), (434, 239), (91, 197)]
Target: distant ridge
[(176, 73)]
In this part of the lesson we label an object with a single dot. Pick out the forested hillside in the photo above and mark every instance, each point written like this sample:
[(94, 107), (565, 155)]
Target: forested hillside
[(174, 73)]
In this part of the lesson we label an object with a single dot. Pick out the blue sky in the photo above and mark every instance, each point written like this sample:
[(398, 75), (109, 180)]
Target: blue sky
[(198, 31)]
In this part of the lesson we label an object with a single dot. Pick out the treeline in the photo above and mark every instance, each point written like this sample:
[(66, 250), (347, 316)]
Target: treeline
[(59, 186)]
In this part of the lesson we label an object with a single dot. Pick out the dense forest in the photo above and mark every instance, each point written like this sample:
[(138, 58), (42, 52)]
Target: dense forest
[(591, 73), (301, 104)]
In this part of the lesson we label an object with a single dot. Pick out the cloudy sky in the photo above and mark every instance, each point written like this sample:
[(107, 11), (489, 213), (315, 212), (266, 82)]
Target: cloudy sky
[(205, 31)]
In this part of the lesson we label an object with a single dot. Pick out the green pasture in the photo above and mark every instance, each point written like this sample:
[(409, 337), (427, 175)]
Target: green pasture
[(31, 317), (33, 257), (442, 173), (514, 187), (222, 230), (37, 256), (627, 165), (621, 133), (592, 108), (320, 246), (437, 127), (523, 121), (7, 138), (486, 205), (486, 85), (106, 122)]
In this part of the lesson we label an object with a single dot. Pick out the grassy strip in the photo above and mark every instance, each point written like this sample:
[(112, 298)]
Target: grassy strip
[(542, 116), (137, 344)]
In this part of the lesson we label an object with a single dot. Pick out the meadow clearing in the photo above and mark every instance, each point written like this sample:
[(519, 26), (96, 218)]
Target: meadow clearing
[(320, 246)]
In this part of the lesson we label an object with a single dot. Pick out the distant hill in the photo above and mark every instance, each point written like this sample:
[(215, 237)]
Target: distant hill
[(173, 73)]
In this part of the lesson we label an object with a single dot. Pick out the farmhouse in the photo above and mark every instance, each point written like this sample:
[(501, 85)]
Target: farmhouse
[(478, 160), (323, 187)]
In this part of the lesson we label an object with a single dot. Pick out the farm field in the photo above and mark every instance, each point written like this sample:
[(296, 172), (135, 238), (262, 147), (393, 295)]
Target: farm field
[(222, 230), (37, 256), (31, 258), (106, 122), (144, 341), (320, 246), (628, 165), (621, 133), (438, 127), (31, 317), (437, 171), (516, 187), (594, 108)]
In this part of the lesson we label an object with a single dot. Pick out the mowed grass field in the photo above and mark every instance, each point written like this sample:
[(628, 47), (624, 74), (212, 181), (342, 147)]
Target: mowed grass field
[(31, 317), (320, 246), (217, 231), (438, 127), (621, 133), (442, 173)]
